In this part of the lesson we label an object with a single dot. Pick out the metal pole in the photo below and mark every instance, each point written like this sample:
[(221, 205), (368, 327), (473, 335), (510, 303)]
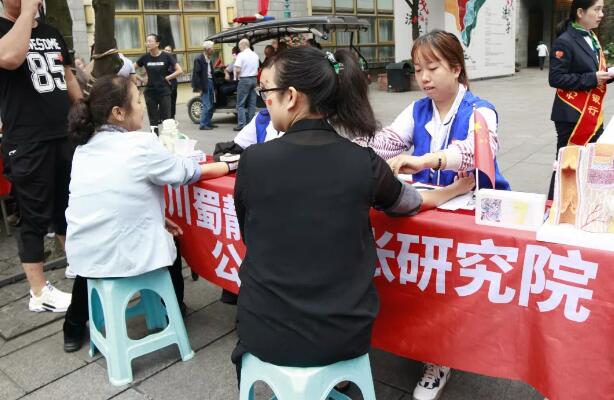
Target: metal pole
[(287, 9)]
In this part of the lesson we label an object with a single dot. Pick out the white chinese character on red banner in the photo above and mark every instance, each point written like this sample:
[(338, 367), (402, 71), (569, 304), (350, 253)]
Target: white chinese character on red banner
[(570, 272), (408, 261), (472, 268), (230, 217), (221, 270), (383, 255), (175, 198), (207, 205), (439, 263)]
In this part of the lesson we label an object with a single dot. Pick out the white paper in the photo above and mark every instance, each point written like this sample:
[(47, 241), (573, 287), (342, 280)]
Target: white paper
[(463, 202), (570, 235)]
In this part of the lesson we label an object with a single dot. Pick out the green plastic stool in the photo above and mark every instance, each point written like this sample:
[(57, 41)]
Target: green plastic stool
[(313, 383), (108, 308)]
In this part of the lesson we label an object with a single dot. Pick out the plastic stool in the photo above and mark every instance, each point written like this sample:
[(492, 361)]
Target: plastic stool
[(108, 308), (313, 383)]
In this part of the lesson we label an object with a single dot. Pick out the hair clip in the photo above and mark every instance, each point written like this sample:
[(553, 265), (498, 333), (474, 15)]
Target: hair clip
[(337, 66)]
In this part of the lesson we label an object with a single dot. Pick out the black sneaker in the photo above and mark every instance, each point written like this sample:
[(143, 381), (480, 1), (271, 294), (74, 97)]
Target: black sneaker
[(73, 336)]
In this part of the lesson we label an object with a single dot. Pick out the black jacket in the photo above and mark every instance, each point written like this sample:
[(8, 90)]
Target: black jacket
[(573, 66), (200, 73)]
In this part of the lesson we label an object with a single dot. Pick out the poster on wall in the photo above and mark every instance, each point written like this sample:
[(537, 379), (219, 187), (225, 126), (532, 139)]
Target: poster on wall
[(486, 28)]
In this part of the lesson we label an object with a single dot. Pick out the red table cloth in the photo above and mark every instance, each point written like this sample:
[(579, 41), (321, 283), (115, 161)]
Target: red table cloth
[(487, 300)]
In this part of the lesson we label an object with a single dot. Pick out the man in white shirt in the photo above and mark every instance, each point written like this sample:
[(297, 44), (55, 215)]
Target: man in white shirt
[(542, 53), (246, 70)]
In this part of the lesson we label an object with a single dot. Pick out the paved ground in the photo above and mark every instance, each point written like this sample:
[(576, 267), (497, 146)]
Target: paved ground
[(34, 366)]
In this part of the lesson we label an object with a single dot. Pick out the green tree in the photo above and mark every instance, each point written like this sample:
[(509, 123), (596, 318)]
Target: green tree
[(58, 15)]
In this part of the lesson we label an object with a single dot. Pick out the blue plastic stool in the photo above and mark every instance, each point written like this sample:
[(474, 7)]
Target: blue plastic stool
[(313, 383), (108, 308)]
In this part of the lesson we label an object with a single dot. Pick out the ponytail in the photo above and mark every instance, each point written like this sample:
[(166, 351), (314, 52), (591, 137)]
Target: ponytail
[(339, 94), (86, 116), (353, 112), (81, 128)]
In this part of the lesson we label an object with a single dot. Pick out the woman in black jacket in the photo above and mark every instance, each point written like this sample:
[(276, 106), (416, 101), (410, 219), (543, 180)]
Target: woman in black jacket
[(578, 71), (302, 202)]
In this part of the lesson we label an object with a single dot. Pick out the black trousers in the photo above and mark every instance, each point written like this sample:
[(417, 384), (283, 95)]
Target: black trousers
[(173, 99), (542, 60), (563, 133), (40, 174), (78, 313), (158, 107)]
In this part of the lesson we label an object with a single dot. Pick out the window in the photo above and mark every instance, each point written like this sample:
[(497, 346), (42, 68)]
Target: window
[(168, 27), (343, 38), (365, 5), (385, 54), (197, 5), (199, 27), (344, 5), (385, 30), (368, 53), (323, 5), (126, 5), (384, 6), (368, 36), (161, 5), (128, 33)]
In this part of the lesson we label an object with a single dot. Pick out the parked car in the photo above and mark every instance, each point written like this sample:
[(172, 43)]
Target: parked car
[(319, 26)]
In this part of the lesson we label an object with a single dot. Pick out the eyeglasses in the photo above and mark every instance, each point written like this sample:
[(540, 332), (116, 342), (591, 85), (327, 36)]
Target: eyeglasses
[(263, 92)]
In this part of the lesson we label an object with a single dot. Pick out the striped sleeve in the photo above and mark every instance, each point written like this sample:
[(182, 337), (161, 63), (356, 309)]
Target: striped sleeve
[(395, 138)]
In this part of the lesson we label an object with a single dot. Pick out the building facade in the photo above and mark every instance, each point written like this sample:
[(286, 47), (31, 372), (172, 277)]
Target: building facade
[(503, 38)]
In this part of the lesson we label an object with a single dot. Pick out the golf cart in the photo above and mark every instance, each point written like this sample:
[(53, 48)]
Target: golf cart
[(319, 26)]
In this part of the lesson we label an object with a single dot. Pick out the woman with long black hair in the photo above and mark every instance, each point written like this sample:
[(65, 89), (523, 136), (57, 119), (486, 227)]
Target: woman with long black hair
[(579, 74), (307, 296)]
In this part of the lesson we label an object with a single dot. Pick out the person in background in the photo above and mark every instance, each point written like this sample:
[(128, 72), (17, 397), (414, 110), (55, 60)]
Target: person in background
[(116, 224), (579, 72), (269, 51), (170, 50), (439, 130), (309, 299), (246, 71), (229, 86), (81, 73), (157, 65), (542, 53), (203, 83), (35, 148)]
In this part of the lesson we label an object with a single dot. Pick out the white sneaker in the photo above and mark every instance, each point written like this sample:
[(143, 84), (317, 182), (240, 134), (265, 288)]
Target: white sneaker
[(430, 386), (50, 299), (69, 273)]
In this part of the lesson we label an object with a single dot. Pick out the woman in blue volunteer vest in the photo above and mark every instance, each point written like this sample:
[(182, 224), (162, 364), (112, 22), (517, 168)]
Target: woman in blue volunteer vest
[(439, 128), (578, 73)]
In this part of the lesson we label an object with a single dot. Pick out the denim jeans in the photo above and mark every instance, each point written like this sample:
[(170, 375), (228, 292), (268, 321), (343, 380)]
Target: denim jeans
[(208, 105), (246, 96)]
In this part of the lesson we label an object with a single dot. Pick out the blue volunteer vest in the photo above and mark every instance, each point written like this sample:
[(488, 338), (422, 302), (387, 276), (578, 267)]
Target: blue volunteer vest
[(262, 121), (423, 113)]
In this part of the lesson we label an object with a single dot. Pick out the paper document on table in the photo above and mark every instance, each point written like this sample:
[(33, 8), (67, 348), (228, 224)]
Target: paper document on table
[(572, 236), (462, 202)]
